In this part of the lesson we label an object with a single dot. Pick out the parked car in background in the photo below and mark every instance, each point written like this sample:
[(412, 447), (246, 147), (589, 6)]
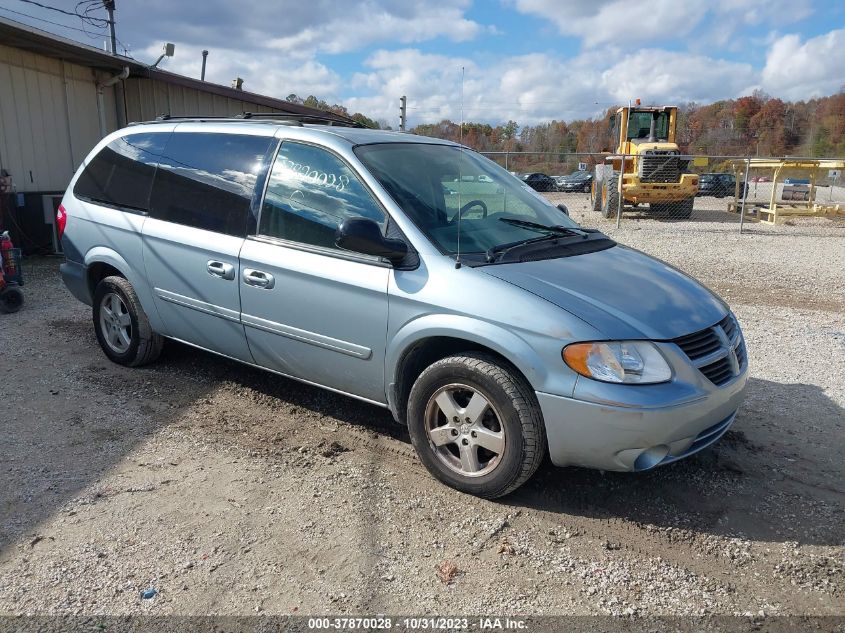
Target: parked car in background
[(718, 185), (492, 325), (540, 181), (576, 181)]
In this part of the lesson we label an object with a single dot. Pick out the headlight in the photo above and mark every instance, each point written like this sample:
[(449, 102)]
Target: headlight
[(634, 362)]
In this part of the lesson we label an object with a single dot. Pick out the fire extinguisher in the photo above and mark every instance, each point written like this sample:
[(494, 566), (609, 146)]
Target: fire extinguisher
[(8, 261)]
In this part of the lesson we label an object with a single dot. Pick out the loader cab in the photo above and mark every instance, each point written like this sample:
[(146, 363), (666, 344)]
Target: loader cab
[(632, 126)]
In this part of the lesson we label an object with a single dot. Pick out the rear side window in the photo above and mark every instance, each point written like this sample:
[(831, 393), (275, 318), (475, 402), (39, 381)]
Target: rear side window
[(121, 174), (207, 180)]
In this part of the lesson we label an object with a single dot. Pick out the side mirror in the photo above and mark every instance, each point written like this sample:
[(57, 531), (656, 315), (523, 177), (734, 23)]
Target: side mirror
[(362, 235), (563, 209)]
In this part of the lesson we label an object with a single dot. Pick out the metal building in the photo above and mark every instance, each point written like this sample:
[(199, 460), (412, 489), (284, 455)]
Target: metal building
[(59, 97)]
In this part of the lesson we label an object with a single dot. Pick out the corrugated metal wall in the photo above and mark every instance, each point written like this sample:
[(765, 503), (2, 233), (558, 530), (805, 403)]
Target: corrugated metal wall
[(148, 98), (48, 118)]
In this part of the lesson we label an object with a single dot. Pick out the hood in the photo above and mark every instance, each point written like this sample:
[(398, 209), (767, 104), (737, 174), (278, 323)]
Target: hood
[(620, 291)]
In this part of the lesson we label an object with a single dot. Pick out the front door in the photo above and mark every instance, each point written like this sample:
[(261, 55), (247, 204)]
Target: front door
[(309, 309)]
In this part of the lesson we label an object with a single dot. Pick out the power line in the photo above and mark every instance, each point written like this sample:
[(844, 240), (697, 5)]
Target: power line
[(125, 48), (85, 18), (27, 15)]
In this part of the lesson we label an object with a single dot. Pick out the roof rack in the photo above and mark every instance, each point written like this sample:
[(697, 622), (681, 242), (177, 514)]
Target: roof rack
[(329, 117), (279, 117)]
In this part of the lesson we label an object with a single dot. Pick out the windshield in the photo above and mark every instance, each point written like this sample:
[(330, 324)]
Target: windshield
[(640, 123), (432, 183)]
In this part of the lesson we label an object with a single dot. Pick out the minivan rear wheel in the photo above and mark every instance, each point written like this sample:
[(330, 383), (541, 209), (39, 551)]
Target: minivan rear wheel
[(121, 325), (476, 425)]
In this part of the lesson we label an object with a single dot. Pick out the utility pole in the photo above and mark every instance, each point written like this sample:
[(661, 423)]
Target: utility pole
[(109, 5), (119, 95), (403, 104)]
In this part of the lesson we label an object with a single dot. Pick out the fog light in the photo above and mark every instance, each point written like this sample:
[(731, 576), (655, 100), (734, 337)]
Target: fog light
[(651, 457)]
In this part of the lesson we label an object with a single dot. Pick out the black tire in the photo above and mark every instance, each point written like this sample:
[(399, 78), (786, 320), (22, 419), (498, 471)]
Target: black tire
[(595, 195), (144, 344), (509, 396), (683, 210), (610, 197), (659, 209), (587, 188), (11, 299)]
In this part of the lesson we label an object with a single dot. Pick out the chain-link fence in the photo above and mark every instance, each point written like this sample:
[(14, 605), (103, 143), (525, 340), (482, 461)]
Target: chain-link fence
[(687, 192)]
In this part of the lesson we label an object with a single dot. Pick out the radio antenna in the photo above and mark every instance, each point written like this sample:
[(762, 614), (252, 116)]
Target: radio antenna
[(460, 173)]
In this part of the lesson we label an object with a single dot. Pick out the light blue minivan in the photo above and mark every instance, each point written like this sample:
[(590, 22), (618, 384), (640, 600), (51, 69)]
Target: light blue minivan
[(408, 272)]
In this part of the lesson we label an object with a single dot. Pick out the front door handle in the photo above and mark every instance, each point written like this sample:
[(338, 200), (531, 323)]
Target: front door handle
[(220, 269), (258, 278)]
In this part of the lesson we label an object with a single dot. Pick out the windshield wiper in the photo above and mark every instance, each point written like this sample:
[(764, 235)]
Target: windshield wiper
[(536, 226), (552, 233)]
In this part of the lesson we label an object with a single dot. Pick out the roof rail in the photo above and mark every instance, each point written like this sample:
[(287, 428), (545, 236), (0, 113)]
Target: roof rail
[(287, 118), (329, 117)]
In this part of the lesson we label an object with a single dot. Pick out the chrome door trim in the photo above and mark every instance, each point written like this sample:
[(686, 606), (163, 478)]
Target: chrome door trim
[(343, 347), (383, 405), (196, 304), (372, 260)]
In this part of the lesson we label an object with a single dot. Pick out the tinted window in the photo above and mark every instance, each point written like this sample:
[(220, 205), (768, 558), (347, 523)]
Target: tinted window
[(208, 180), (122, 173), (310, 192)]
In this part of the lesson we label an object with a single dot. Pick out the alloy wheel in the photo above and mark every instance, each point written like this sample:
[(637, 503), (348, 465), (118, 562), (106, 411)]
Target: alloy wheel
[(465, 430), (115, 323)]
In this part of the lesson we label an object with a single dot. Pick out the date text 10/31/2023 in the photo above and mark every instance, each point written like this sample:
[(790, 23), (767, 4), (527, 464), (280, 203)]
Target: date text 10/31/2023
[(418, 623)]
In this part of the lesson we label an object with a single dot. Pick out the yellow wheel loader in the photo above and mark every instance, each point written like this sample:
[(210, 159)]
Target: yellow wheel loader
[(648, 162)]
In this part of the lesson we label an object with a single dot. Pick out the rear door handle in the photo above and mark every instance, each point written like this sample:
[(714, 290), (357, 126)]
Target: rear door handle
[(220, 269), (258, 278)]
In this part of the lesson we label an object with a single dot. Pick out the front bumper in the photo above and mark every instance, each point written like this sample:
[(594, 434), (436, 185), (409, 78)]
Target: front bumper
[(645, 192), (639, 436)]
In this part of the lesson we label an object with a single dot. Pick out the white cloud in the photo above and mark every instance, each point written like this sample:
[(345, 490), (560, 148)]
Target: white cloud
[(764, 11), (342, 35), (600, 22), (796, 70), (301, 29), (654, 75), (618, 21)]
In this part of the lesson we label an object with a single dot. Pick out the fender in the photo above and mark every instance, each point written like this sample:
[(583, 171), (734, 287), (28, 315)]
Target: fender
[(513, 348), (106, 255)]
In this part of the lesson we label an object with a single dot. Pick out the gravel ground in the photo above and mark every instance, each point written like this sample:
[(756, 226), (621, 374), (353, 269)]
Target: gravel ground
[(227, 490)]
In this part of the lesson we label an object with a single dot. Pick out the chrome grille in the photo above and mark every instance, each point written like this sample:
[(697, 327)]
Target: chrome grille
[(656, 167), (718, 351)]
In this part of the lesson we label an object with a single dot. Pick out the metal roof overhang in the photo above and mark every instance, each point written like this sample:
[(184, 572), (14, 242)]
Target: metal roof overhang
[(25, 37)]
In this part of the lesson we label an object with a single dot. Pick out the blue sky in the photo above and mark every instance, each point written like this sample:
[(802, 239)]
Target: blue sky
[(527, 60)]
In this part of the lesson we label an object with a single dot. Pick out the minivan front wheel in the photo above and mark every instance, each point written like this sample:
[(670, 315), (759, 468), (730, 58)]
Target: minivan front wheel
[(121, 325), (476, 425)]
